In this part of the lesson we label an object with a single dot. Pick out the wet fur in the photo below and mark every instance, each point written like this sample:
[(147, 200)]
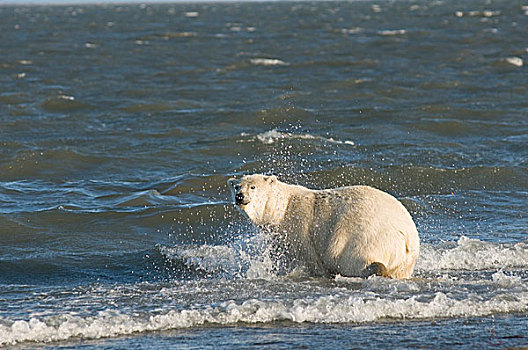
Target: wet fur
[(350, 231)]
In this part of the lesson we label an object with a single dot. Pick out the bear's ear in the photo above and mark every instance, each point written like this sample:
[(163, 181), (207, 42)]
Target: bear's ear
[(271, 179)]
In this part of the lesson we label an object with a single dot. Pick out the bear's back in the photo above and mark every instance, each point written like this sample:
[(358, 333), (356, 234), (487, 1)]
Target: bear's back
[(359, 225), (358, 195)]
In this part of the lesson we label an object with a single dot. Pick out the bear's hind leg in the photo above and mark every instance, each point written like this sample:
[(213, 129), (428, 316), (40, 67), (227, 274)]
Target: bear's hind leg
[(375, 269)]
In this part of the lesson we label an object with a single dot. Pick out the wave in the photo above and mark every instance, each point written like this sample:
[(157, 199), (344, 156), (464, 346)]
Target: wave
[(181, 192), (248, 259), (323, 309), (389, 32), (515, 61), (475, 13), (251, 256), (472, 255), (268, 62), (274, 135), (63, 104), (246, 291)]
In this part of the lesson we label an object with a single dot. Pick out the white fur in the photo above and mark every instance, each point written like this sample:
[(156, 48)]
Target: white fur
[(334, 231)]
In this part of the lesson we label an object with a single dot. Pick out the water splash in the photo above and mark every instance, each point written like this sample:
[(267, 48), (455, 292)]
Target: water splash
[(248, 257)]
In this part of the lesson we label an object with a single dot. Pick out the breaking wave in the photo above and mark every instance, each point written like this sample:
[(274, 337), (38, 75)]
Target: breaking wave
[(257, 295), (274, 135), (268, 62), (338, 308), (473, 255), (249, 260)]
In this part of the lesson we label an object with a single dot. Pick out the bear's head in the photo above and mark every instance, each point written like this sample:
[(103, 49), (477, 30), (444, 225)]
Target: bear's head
[(251, 193)]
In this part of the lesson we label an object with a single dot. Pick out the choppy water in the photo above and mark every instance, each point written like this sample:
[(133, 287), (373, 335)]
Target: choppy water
[(119, 126)]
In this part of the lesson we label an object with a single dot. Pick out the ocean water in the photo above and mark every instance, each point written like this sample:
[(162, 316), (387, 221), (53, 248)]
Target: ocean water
[(120, 125)]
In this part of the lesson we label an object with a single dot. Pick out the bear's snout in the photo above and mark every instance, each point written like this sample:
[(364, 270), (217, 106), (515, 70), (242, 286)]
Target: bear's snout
[(241, 199)]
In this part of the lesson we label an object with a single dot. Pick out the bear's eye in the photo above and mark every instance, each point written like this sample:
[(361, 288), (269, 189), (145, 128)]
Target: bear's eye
[(253, 187)]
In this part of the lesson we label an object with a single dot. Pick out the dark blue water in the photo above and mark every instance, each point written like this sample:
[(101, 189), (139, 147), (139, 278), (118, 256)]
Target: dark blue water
[(120, 125)]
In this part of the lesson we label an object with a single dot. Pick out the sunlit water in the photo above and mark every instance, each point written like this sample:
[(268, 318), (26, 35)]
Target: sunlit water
[(120, 125)]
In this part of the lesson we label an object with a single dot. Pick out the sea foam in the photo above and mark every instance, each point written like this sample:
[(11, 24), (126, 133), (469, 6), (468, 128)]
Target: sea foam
[(268, 62), (515, 61), (323, 309), (250, 259), (472, 254), (343, 300), (392, 32), (274, 135)]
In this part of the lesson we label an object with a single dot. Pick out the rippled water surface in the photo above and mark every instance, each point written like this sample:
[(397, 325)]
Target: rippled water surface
[(120, 125)]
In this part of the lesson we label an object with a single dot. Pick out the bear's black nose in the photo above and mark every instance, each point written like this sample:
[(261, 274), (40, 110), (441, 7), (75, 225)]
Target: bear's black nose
[(239, 198)]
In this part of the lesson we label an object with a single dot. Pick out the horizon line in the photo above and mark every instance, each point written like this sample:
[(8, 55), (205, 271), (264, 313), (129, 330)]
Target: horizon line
[(145, 2)]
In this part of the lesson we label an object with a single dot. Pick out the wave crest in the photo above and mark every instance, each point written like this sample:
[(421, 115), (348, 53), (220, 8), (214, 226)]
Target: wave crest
[(324, 309), (274, 135), (473, 255)]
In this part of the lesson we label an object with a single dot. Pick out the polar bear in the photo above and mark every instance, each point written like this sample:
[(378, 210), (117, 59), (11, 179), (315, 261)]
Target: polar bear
[(353, 231)]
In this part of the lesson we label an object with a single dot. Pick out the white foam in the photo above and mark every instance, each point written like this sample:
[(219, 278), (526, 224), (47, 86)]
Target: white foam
[(475, 13), (472, 254), (351, 30), (66, 97), (376, 8), (268, 62), (338, 308), (506, 281), (489, 13), (352, 300), (272, 136), (392, 32), (516, 61), (250, 257)]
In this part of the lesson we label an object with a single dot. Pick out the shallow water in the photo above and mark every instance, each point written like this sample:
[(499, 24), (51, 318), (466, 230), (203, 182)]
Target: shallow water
[(120, 125)]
